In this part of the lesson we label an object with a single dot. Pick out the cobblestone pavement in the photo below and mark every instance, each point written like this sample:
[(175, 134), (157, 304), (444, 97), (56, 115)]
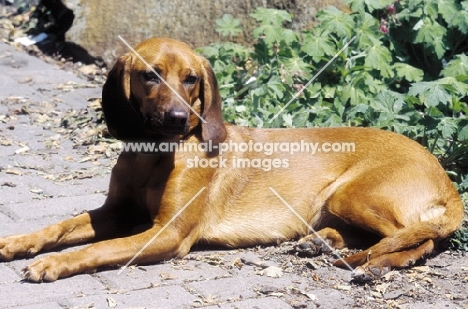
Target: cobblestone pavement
[(45, 177)]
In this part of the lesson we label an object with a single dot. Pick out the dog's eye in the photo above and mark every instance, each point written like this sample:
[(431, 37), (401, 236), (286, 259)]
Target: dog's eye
[(190, 80), (151, 77)]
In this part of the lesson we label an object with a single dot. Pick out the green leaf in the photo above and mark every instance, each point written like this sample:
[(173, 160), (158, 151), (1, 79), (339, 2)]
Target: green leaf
[(276, 86), (356, 5), (457, 66), (275, 34), (379, 57), (448, 9), (460, 20), (463, 134), (328, 92), (371, 5), (228, 25), (367, 34), (318, 45), (336, 21), (287, 120), (388, 101), (301, 119), (339, 107), (354, 94), (447, 127), (289, 36), (333, 121), (209, 51), (431, 9), (296, 66), (407, 14), (430, 93), (409, 72), (353, 112), (431, 34), (457, 87), (377, 4), (271, 16)]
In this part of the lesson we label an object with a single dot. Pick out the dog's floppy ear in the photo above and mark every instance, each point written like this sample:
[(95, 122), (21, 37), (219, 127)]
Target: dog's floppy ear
[(123, 121), (214, 128)]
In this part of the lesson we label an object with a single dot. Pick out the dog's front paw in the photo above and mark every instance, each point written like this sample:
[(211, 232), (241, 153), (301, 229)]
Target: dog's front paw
[(368, 273), (48, 268), (16, 246), (311, 246)]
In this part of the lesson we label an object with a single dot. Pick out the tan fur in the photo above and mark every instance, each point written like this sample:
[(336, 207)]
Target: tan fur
[(390, 186)]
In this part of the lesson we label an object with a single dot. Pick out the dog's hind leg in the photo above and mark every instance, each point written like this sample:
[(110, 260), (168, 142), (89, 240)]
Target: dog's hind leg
[(376, 267)]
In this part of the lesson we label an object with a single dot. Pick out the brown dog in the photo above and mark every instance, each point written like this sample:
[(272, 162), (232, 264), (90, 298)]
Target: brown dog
[(358, 182)]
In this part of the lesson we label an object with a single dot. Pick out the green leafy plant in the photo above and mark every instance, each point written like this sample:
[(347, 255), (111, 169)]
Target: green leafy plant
[(406, 71)]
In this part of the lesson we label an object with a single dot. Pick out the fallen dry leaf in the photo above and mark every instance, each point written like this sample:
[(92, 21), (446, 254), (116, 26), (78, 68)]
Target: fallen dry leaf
[(343, 287), (22, 150), (111, 303), (422, 269), (90, 69), (36, 191), (13, 171), (237, 263), (69, 158), (312, 296), (167, 276), (85, 175), (6, 142), (272, 271), (94, 103)]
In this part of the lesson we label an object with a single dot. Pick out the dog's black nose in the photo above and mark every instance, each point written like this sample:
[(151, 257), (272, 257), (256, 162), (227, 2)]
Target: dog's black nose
[(175, 118)]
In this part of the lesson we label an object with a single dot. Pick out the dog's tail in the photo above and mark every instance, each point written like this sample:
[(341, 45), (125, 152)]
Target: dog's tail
[(434, 229)]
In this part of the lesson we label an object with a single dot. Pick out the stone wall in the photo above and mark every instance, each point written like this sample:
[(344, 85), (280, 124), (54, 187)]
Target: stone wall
[(98, 23)]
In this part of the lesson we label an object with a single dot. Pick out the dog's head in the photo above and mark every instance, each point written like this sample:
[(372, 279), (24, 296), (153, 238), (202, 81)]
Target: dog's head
[(183, 97)]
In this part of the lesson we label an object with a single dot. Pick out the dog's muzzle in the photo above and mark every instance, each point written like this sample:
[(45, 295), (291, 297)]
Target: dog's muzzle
[(171, 122)]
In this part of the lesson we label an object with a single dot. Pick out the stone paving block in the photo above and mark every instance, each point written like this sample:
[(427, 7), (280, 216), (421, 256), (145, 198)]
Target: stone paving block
[(25, 293), (438, 305), (237, 288), (7, 275), (33, 187), (259, 303), (331, 299), (54, 207), (4, 220), (164, 274), (50, 305), (160, 297), (25, 226)]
